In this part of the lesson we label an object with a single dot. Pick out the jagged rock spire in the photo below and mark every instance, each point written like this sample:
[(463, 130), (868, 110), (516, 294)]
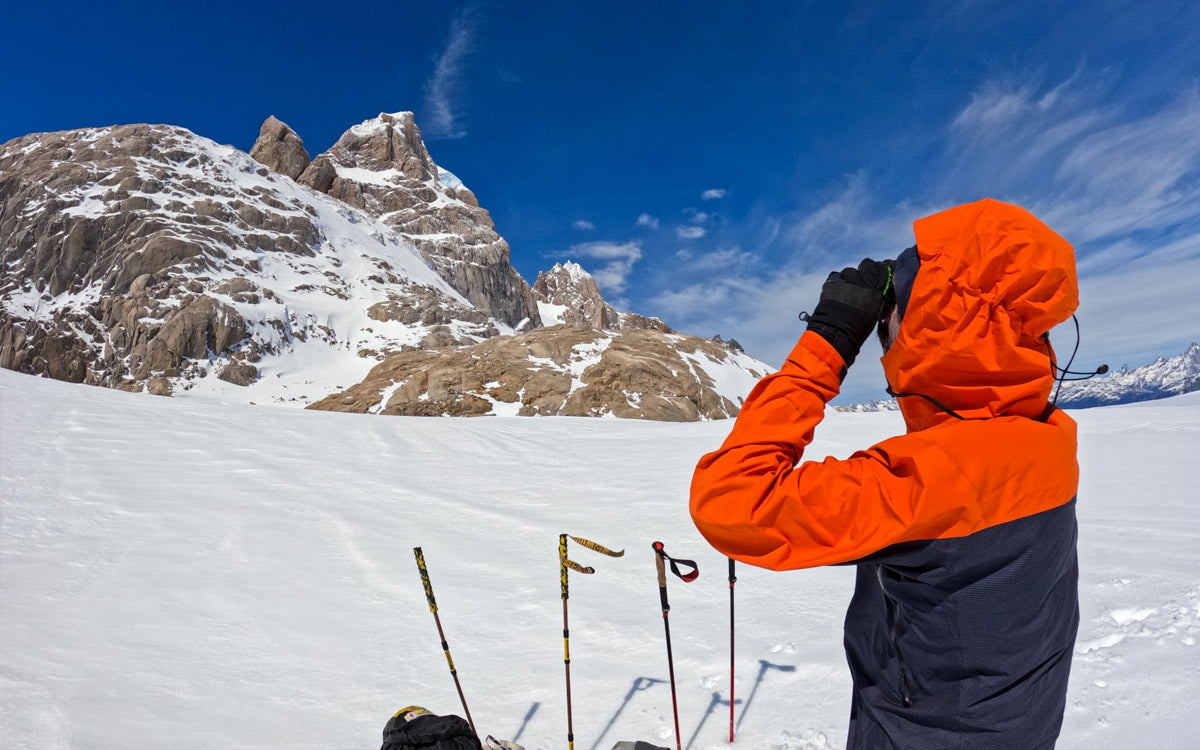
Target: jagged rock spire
[(279, 148), (382, 166)]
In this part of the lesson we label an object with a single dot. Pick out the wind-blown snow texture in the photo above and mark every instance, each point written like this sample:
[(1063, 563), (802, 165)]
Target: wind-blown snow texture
[(182, 574)]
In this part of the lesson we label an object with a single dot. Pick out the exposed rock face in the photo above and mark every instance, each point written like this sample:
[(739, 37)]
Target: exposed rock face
[(568, 295), (280, 149), (643, 374), (382, 167), (140, 252)]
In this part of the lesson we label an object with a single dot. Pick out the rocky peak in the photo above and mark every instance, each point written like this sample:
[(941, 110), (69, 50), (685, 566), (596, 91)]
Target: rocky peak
[(383, 167), (568, 295), (279, 148), (388, 142)]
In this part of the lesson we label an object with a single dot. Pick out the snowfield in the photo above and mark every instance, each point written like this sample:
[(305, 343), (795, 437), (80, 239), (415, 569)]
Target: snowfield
[(175, 573)]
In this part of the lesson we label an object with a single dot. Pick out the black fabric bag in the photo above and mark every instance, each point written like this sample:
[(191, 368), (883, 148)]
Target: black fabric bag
[(429, 732)]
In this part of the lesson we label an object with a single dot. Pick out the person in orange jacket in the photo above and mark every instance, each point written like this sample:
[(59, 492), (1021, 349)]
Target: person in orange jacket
[(963, 531)]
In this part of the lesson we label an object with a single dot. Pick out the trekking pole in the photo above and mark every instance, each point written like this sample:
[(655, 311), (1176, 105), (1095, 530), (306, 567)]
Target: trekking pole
[(732, 580), (445, 646), (563, 565), (660, 558)]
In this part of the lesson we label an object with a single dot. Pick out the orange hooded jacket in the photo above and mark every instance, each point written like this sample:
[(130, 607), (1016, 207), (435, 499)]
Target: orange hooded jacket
[(993, 280), (965, 609)]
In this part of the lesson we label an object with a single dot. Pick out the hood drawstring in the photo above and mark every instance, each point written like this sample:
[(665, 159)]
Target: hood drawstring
[(1063, 372), (931, 400)]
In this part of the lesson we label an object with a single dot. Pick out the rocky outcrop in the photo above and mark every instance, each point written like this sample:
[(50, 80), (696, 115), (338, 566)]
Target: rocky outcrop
[(574, 298), (382, 167), (569, 295), (280, 149), (641, 374)]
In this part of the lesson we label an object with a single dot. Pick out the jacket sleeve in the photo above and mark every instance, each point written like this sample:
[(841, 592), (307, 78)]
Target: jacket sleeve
[(752, 501)]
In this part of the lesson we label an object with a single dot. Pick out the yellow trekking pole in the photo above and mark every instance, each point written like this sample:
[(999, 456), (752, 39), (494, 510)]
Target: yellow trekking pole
[(445, 646), (563, 565)]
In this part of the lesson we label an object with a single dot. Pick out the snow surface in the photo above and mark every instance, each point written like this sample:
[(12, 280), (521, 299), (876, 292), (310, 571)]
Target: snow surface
[(179, 573), (552, 315)]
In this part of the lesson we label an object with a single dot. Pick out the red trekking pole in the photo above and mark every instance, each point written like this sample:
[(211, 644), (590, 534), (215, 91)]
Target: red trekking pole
[(660, 558), (732, 580)]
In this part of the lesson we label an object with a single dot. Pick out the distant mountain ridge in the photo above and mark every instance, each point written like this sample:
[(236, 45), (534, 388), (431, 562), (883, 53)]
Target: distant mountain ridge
[(145, 257), (1166, 376), (1163, 378)]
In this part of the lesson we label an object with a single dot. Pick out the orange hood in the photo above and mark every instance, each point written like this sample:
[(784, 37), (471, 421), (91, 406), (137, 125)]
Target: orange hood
[(993, 280)]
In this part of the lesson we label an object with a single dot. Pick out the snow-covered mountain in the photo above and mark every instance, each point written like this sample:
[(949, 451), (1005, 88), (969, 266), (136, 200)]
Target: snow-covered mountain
[(1166, 376), (145, 257), (149, 255)]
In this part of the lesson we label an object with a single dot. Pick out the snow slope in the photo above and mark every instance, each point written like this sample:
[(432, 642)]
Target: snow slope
[(175, 573)]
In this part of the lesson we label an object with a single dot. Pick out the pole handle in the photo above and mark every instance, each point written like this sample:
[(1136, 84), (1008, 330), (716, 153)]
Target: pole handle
[(425, 579), (662, 584), (562, 565)]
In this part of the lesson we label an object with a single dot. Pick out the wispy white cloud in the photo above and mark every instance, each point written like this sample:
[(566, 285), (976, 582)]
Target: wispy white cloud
[(713, 194), (998, 106), (646, 220), (690, 232), (697, 217), (1095, 171), (584, 225), (440, 113), (723, 259), (853, 225), (1132, 315), (617, 260)]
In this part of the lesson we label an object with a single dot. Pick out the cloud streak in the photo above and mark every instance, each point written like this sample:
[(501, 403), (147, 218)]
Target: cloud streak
[(440, 114), (1095, 172)]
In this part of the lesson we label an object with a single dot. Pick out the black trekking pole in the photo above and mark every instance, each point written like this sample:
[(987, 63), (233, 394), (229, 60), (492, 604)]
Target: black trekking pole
[(660, 558), (445, 646), (563, 565), (732, 580)]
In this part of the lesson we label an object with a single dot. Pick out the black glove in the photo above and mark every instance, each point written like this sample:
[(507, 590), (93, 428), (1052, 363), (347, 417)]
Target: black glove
[(852, 303)]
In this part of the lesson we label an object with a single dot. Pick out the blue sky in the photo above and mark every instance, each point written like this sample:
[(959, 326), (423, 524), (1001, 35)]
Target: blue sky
[(710, 162)]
